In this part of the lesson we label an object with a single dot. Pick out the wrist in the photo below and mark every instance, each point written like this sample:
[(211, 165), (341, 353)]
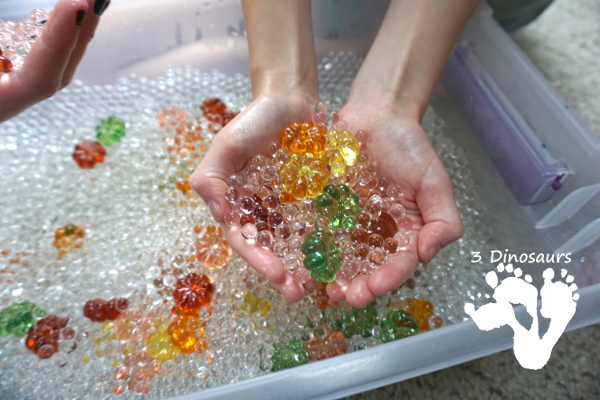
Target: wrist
[(298, 79), (385, 101), (301, 102), (409, 53), (281, 46)]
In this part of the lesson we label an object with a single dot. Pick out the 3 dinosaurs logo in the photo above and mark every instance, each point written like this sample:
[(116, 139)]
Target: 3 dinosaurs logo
[(558, 304)]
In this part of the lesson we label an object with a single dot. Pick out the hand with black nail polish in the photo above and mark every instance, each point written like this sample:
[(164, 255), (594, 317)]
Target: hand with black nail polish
[(51, 63)]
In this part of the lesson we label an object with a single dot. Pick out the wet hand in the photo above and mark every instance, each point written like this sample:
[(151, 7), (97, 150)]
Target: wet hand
[(403, 153), (232, 149), (51, 63)]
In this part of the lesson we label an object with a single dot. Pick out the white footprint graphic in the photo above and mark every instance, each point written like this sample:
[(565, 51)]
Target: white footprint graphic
[(558, 305)]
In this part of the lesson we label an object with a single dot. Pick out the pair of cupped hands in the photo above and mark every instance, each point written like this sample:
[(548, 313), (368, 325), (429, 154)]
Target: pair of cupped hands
[(399, 147)]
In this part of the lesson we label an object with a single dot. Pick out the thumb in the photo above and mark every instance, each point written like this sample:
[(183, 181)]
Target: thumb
[(209, 180), (442, 222), (435, 235), (211, 190)]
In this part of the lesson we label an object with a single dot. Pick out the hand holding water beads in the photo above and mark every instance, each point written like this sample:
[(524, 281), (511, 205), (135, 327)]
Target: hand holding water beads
[(317, 203), (16, 39)]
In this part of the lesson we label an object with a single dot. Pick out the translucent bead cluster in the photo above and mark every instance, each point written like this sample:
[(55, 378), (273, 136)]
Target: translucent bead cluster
[(105, 343), (132, 326), (289, 355), (186, 135), (253, 303), (316, 201), (212, 249), (422, 311), (356, 321), (151, 339), (110, 131), (42, 338), (67, 238), (91, 152), (16, 319), (99, 310), (325, 344), (397, 325), (192, 292), (135, 374), (187, 333), (303, 174), (186, 131), (217, 113), (159, 343), (16, 39), (88, 153)]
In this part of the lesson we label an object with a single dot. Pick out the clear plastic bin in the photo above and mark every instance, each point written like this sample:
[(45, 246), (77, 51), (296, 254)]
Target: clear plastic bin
[(143, 37)]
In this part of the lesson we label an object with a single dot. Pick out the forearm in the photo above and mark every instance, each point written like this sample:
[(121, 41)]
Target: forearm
[(281, 45), (407, 57)]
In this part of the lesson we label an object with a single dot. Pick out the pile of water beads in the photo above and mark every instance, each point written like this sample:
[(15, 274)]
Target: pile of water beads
[(316, 201), (142, 344), (145, 230), (16, 39)]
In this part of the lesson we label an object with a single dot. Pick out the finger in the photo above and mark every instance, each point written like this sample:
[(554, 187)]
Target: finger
[(210, 178), (396, 270), (209, 183), (267, 264), (290, 289), (212, 190), (42, 72), (261, 259), (436, 235), (231, 151), (88, 28), (442, 222), (358, 293), (336, 292), (310, 285)]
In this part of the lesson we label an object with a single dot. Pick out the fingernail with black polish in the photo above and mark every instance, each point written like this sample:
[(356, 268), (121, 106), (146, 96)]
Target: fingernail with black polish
[(99, 6), (80, 17), (105, 7)]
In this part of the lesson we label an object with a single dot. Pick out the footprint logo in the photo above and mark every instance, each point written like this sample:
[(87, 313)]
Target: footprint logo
[(559, 303)]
